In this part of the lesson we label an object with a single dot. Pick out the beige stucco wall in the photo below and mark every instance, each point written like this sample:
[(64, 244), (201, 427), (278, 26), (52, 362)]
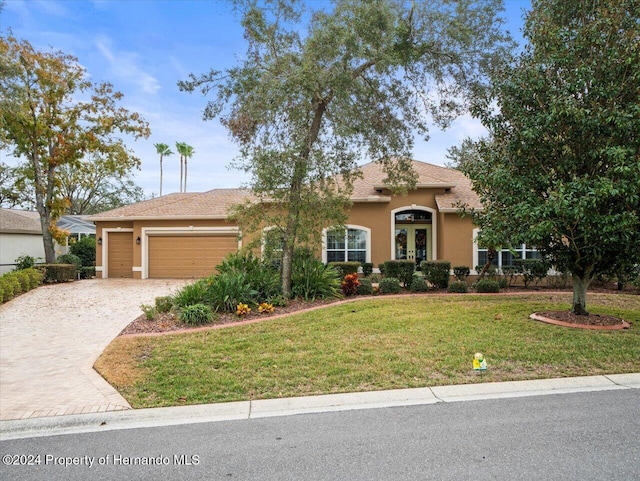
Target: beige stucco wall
[(454, 235)]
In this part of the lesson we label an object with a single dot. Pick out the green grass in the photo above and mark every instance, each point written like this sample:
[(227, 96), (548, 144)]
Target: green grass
[(372, 345)]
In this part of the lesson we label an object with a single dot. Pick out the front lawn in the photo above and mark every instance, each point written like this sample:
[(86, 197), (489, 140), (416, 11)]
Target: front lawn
[(379, 343)]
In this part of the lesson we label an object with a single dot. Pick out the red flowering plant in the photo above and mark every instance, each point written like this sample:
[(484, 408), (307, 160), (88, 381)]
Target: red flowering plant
[(350, 284)]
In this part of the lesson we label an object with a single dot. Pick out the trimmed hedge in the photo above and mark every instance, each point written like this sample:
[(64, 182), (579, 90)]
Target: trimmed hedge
[(459, 287), (402, 270), (345, 268), (367, 268), (390, 285), (436, 272), (461, 272), (365, 288), (59, 272), (487, 285), (418, 284)]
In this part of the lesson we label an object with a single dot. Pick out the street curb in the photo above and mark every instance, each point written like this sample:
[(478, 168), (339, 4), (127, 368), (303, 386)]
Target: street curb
[(247, 410)]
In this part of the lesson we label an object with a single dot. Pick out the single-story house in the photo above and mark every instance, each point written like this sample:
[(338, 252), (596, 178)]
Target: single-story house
[(186, 235), (20, 235)]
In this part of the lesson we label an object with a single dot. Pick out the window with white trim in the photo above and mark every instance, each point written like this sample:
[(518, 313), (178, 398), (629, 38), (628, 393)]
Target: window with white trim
[(505, 257), (347, 245)]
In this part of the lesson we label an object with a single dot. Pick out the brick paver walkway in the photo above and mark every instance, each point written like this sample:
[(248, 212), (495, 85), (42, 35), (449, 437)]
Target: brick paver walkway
[(50, 338)]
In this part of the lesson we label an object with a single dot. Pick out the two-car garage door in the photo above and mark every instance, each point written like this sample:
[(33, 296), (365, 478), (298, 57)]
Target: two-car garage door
[(187, 256)]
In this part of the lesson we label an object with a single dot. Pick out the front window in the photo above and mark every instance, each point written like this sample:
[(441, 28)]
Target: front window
[(505, 257), (347, 245)]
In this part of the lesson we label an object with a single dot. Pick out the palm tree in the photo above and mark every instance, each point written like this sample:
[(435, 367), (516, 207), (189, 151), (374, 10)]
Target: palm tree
[(180, 147), (188, 153), (185, 152), (164, 151)]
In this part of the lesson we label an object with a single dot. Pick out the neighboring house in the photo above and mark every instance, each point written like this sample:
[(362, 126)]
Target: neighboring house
[(78, 227), (20, 235), (186, 235)]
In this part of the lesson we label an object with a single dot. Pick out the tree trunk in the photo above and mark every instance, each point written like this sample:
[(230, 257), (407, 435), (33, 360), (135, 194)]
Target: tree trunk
[(160, 175), (579, 305), (181, 163), (491, 254), (185, 174), (287, 269)]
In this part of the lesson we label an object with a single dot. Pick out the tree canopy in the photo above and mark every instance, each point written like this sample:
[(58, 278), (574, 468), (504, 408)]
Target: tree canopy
[(561, 168), (308, 104), (53, 116)]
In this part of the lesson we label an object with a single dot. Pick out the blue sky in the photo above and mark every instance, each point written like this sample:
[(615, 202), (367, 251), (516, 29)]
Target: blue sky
[(144, 47)]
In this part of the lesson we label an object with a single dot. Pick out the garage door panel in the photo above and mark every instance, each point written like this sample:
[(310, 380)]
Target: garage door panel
[(188, 256), (120, 254)]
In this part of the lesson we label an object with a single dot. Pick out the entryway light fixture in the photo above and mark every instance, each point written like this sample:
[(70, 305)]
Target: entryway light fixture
[(138, 240), (99, 241)]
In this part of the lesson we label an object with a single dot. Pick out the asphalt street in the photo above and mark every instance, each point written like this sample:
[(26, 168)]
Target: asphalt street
[(580, 436)]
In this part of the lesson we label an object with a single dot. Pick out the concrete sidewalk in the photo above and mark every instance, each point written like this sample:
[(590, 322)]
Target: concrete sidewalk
[(143, 418), (51, 337)]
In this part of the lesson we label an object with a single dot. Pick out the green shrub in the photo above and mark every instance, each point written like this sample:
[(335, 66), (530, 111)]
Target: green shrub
[(16, 287), (458, 286), (25, 262), (381, 269), (436, 272), (59, 272), (487, 285), (7, 288), (375, 278), (503, 282), (461, 272), (345, 268), (149, 312), (532, 270), (311, 279), (262, 276), (228, 289), (87, 272), (36, 276), (24, 280), (365, 288), (390, 285), (402, 270), (1, 292), (367, 268), (418, 284), (196, 293), (196, 314), (85, 250), (69, 259), (164, 303)]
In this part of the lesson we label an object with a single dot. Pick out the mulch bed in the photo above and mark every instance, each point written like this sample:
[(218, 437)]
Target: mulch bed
[(167, 322), (590, 320)]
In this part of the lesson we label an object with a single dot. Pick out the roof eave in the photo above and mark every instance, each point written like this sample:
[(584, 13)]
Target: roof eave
[(158, 217)]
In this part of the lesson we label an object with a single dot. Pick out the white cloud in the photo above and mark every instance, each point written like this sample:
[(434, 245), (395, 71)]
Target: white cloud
[(124, 65)]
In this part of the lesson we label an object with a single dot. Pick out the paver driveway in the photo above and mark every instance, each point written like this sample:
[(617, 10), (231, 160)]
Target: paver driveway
[(50, 338)]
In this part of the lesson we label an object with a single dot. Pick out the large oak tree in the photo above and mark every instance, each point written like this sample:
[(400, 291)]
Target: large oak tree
[(561, 169), (318, 92), (53, 117)]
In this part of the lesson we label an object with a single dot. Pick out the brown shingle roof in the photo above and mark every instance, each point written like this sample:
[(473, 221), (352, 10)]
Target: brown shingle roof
[(429, 175), (19, 222), (215, 203)]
